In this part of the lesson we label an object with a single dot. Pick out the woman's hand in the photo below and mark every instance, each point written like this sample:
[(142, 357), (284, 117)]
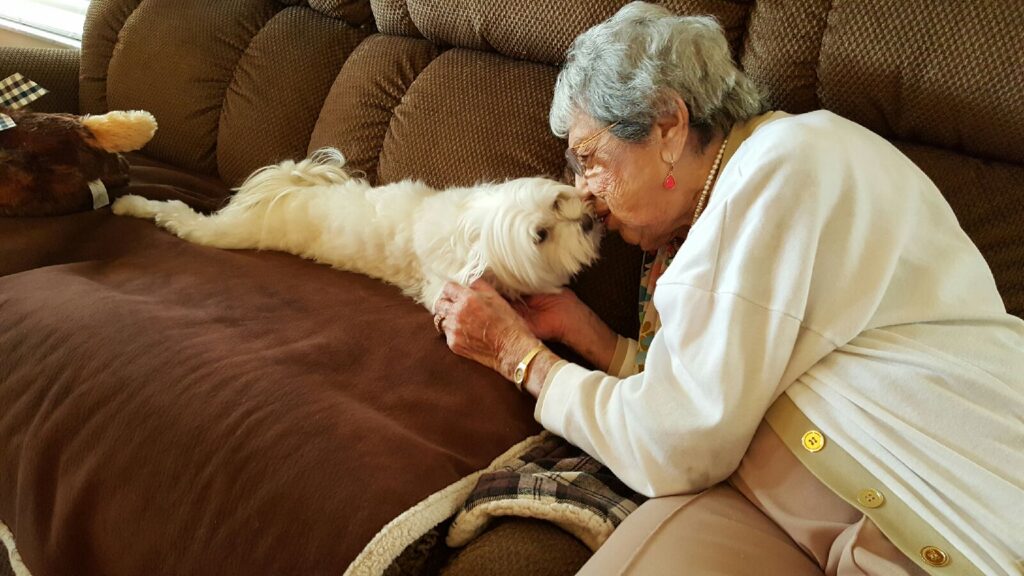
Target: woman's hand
[(563, 317), (481, 325), (551, 316)]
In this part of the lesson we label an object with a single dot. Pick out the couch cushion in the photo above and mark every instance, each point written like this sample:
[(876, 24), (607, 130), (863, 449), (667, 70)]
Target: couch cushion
[(182, 83), (103, 24), (392, 17), (278, 89), (946, 74), (358, 111), (473, 116), (161, 181), (781, 50)]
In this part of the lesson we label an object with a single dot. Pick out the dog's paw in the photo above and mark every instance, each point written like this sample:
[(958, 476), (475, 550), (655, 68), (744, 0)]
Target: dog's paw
[(132, 205), (170, 212)]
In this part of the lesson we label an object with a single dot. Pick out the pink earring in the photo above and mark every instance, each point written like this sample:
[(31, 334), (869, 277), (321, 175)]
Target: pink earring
[(670, 180)]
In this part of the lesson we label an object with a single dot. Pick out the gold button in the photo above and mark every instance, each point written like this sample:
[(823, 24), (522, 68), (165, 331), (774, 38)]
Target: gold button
[(870, 498), (813, 440), (934, 556)]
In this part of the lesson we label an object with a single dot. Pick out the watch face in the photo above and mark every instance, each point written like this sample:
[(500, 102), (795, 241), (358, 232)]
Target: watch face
[(519, 375)]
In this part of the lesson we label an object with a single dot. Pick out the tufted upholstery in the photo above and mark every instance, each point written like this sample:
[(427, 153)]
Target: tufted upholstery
[(358, 112), (277, 91), (239, 71)]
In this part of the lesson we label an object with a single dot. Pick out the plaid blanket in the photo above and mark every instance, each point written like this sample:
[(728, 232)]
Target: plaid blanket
[(553, 481), (16, 91)]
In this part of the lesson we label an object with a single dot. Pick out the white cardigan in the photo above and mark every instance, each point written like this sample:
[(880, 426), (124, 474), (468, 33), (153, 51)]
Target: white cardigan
[(829, 267)]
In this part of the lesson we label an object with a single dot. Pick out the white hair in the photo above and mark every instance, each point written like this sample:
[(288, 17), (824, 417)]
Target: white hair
[(628, 68)]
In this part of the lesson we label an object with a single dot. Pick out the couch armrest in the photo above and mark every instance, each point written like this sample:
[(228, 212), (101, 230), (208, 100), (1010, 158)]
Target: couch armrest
[(55, 69)]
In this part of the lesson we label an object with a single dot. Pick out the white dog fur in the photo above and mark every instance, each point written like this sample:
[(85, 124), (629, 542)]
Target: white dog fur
[(526, 236)]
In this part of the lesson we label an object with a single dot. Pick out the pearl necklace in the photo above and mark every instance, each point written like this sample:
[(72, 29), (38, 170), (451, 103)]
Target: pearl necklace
[(707, 183)]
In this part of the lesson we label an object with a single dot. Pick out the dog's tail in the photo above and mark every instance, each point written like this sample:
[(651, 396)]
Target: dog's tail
[(325, 167)]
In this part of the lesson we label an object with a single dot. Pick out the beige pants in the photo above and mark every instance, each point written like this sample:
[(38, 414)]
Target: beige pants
[(772, 517)]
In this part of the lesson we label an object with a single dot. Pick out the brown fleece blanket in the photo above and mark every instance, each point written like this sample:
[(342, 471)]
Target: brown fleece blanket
[(167, 408)]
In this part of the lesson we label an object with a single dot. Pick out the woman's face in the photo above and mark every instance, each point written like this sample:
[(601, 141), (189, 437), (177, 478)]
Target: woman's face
[(625, 179)]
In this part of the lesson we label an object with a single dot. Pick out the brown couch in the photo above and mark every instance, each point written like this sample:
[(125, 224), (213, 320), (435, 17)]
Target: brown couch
[(167, 408)]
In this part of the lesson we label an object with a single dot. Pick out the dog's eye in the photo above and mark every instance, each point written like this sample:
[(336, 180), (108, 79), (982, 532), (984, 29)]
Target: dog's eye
[(540, 235)]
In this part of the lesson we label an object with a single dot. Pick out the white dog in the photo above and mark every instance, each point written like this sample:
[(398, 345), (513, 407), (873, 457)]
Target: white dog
[(526, 236)]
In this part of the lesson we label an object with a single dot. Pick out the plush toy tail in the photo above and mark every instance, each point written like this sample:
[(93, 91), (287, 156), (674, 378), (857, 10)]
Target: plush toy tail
[(121, 131)]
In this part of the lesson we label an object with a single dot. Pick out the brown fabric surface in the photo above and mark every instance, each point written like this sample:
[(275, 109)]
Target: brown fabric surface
[(473, 116), (986, 197), (611, 287), (520, 547), (5, 564), (183, 82), (361, 103), (176, 409), (392, 17), (103, 23), (948, 74), (781, 51), (52, 68), (355, 12), (278, 91), (161, 181), (537, 30)]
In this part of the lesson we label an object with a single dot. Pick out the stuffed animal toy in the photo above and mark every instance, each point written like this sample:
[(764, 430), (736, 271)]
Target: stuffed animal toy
[(53, 164)]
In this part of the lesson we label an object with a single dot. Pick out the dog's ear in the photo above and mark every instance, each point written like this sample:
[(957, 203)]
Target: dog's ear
[(474, 269), (475, 266)]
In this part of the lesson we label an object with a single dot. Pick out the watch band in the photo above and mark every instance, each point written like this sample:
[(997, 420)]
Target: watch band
[(519, 376)]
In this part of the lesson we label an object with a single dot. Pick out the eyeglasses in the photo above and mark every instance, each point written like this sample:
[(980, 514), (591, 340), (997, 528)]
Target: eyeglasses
[(570, 153)]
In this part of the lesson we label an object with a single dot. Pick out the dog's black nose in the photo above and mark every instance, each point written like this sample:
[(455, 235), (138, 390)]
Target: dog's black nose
[(587, 223)]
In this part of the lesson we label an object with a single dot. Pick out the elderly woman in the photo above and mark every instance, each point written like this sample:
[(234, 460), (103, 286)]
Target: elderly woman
[(831, 343)]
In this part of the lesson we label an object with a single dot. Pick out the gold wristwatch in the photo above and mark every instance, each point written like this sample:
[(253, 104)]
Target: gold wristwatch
[(519, 376)]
